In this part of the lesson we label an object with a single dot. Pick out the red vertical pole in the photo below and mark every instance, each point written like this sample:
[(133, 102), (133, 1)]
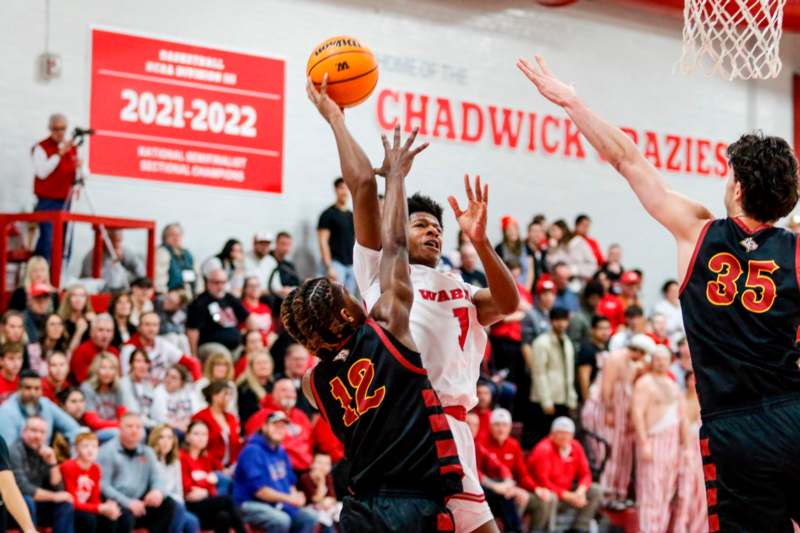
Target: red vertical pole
[(97, 252), (56, 257), (3, 261), (151, 252), (796, 97)]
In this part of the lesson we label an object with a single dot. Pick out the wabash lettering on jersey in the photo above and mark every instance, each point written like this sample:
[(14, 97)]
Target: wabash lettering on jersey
[(380, 404), (741, 310)]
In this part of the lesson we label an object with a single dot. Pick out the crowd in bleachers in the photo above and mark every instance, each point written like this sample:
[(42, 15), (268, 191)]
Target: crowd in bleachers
[(179, 407)]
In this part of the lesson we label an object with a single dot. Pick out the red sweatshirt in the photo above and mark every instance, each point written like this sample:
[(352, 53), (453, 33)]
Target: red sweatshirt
[(84, 485), (613, 308), (489, 465), (7, 386), (550, 469), (325, 441), (509, 453), (216, 443), (298, 443), (82, 359), (49, 390), (93, 421), (195, 473)]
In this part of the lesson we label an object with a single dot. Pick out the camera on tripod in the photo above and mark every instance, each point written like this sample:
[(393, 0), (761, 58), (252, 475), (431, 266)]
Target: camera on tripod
[(79, 135)]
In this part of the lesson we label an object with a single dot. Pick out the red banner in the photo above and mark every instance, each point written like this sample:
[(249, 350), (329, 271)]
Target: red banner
[(169, 111)]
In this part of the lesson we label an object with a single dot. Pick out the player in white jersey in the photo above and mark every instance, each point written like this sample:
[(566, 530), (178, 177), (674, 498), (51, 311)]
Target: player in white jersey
[(448, 316)]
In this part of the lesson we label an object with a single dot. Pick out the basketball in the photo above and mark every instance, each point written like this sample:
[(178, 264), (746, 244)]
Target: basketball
[(351, 67)]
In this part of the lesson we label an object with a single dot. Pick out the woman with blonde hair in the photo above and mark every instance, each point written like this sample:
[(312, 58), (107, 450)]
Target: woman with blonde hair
[(218, 367), (254, 384), (165, 445), (102, 391), (76, 310), (36, 271)]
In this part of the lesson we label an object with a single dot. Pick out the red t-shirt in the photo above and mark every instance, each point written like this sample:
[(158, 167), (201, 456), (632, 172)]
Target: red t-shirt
[(550, 469), (612, 307), (262, 314), (483, 429), (297, 443), (50, 391), (216, 441), (195, 473), (82, 359), (7, 387), (84, 485), (510, 454)]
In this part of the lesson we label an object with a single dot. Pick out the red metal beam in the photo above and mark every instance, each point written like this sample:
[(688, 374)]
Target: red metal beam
[(791, 13)]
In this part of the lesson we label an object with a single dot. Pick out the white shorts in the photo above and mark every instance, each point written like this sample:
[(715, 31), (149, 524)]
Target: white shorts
[(469, 508)]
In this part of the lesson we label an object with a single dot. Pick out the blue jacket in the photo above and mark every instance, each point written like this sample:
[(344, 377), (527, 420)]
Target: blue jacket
[(13, 417), (261, 465)]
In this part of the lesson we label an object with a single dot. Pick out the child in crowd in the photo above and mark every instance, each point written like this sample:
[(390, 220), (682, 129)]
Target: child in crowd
[(57, 373), (12, 364)]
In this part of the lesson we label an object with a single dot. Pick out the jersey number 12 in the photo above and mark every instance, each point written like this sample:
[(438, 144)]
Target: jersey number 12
[(360, 377)]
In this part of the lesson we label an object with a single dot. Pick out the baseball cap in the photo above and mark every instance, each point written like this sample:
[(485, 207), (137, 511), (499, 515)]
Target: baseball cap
[(507, 220), (40, 289), (277, 416), (545, 284), (563, 423), (264, 236), (630, 278), (643, 343), (500, 416)]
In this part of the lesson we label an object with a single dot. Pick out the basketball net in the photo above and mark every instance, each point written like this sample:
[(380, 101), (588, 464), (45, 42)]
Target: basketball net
[(732, 38)]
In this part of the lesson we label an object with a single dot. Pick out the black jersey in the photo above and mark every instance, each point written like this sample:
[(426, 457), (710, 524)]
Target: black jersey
[(741, 311), (380, 404)]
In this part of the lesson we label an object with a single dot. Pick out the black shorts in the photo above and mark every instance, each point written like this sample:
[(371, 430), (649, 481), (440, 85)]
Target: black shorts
[(394, 512), (751, 461)]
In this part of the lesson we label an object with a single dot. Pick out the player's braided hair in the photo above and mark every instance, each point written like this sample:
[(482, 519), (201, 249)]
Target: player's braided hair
[(311, 314)]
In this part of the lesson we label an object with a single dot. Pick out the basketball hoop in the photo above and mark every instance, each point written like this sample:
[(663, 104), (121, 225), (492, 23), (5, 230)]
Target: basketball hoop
[(732, 38)]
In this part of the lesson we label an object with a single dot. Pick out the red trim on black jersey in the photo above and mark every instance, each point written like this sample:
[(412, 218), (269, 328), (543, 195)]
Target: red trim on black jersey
[(697, 247), (438, 423), (713, 523), (394, 351), (430, 398), (710, 472), (320, 405), (459, 412), (711, 497), (446, 448), (451, 469), (747, 230), (704, 449)]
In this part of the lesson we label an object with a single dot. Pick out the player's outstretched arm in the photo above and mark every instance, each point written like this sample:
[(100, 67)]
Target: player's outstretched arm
[(684, 218), (394, 305), (502, 296), (356, 168)]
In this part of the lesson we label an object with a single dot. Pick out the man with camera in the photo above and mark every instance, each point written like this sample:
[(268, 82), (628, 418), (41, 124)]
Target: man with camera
[(55, 165)]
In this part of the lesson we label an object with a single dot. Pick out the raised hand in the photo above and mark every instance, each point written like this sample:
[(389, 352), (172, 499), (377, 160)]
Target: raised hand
[(472, 219), (548, 85), (398, 158), (329, 109)]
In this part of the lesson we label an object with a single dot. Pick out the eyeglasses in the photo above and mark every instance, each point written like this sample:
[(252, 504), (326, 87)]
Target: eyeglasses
[(58, 128)]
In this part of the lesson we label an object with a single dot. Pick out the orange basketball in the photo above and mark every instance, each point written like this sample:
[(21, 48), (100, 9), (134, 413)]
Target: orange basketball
[(351, 67)]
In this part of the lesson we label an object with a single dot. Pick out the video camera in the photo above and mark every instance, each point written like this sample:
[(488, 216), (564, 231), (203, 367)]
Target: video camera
[(79, 135)]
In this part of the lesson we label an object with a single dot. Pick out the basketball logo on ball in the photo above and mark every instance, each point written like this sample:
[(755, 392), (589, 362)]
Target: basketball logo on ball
[(351, 68)]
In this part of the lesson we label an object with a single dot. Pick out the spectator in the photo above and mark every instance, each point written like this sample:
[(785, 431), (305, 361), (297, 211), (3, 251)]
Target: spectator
[(539, 321), (223, 427), (264, 482), (130, 477), (565, 296), (317, 486), (121, 309), (57, 376), (670, 307), (174, 264), (336, 235), (117, 269), (36, 271), (613, 267), (77, 312), (297, 442), (171, 309), (470, 262), (161, 353), (559, 463), (586, 257), (635, 324), (175, 400), (81, 477), (630, 285), (691, 513), (137, 390), (254, 384), (580, 322), (586, 360), (52, 339), (142, 293), (505, 337), (215, 315), (512, 247), (558, 240), (326, 442), (165, 446), (231, 260), (295, 364), (259, 262), (284, 278), (56, 167), (535, 500), (218, 367), (13, 330), (484, 408), (536, 246), (103, 395), (683, 364), (215, 511), (101, 332), (658, 330), (74, 403), (38, 309), (39, 478), (253, 343), (260, 312), (610, 305), (552, 366), (27, 402), (11, 357)]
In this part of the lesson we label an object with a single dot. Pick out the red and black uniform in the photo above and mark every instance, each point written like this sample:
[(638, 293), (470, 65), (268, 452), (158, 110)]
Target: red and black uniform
[(741, 311), (403, 460)]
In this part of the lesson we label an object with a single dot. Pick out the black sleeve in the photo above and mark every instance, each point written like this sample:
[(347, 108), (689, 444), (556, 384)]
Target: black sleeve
[(195, 315), (19, 300), (325, 220), (586, 356), (4, 460)]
